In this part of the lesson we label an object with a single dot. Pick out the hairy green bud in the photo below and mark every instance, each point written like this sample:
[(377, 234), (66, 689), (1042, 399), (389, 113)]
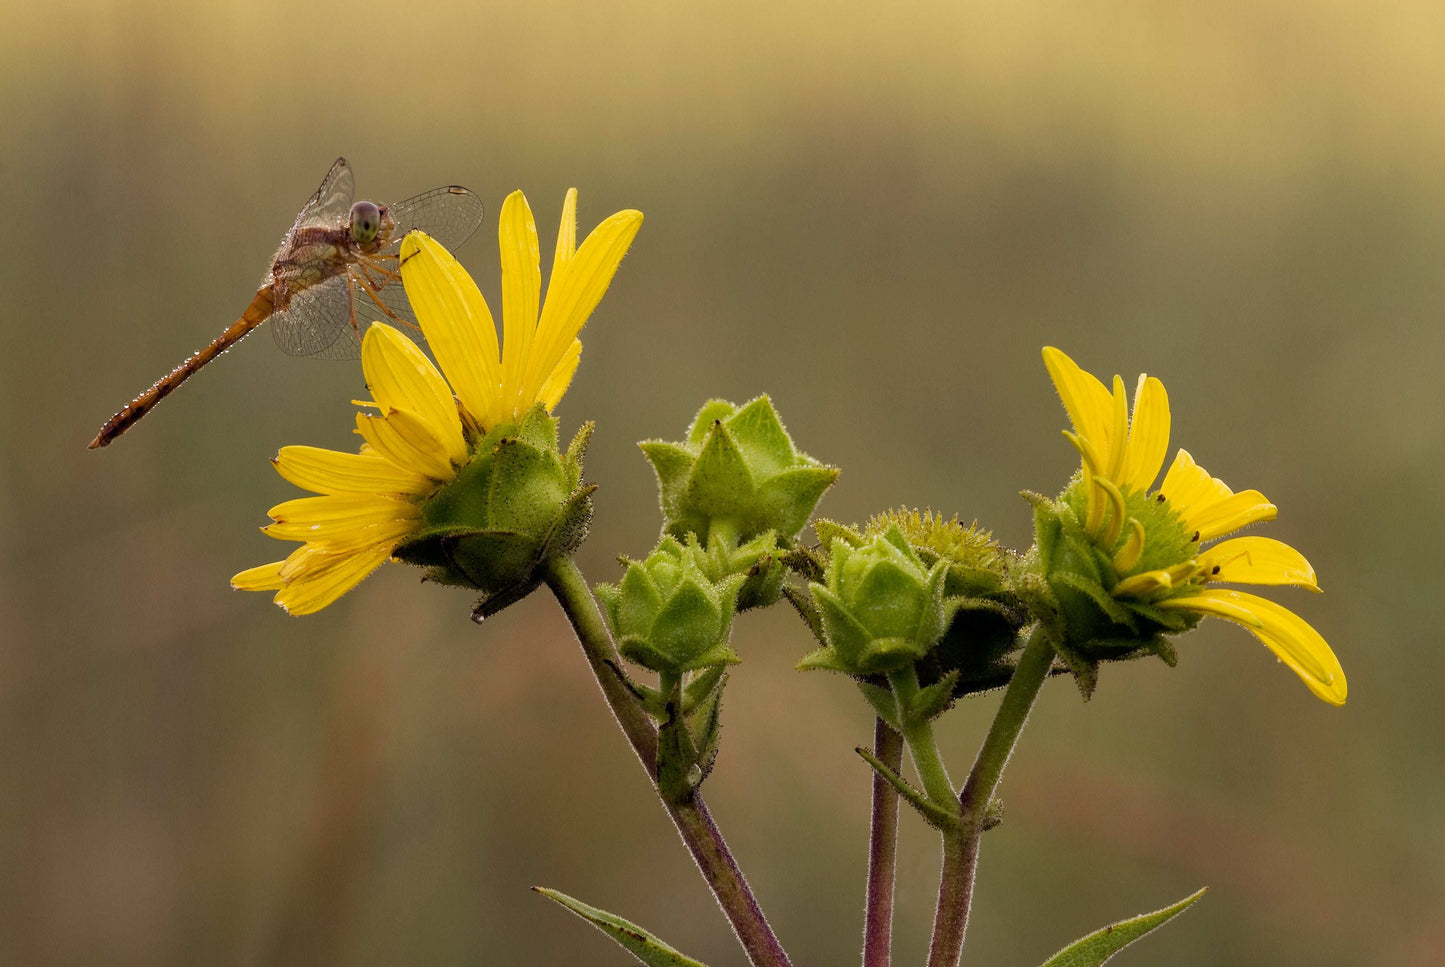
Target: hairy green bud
[(881, 607), (668, 615), (518, 502), (736, 476)]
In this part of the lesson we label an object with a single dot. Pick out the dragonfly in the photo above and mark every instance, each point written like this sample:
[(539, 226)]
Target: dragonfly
[(337, 267)]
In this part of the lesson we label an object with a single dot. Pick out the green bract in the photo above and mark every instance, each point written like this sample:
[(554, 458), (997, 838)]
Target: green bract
[(1068, 578), (881, 609), (982, 640), (516, 503), (736, 476), (668, 615), (757, 562)]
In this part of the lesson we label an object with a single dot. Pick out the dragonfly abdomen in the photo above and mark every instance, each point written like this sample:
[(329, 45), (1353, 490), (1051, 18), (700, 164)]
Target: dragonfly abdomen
[(256, 313)]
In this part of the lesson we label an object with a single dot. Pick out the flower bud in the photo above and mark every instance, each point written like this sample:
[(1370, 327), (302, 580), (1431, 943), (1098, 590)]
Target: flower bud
[(515, 504), (736, 476), (668, 615), (881, 608), (987, 614)]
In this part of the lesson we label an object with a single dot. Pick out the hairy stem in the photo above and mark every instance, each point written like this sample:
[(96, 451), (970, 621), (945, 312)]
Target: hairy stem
[(918, 733), (960, 847), (882, 851), (701, 835)]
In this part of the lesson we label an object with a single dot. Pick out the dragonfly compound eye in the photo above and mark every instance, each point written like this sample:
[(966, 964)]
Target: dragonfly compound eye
[(365, 222)]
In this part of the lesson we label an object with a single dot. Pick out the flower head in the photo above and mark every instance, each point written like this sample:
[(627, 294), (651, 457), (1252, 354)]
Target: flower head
[(1140, 557), (427, 432)]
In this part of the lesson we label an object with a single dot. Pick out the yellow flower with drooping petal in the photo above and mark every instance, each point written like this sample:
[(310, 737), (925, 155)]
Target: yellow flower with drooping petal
[(1169, 569), (424, 426)]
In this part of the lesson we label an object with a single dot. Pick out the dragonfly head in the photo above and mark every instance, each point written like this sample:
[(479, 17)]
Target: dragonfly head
[(366, 220)]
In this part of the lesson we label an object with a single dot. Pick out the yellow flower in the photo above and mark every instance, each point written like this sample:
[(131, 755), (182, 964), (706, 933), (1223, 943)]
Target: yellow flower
[(425, 427), (1155, 544)]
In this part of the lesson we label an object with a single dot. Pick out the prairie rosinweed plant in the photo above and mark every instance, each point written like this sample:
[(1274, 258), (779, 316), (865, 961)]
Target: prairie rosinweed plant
[(460, 473), (1127, 565)]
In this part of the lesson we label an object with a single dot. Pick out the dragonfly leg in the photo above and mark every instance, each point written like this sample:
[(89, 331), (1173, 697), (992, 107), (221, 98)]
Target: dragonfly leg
[(370, 289), (374, 265), (355, 329)]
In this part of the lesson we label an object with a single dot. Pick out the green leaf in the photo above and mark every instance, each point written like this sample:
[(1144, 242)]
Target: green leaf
[(706, 724), (1096, 593), (720, 483), (761, 436), (677, 768), (713, 411), (829, 531), (802, 602), (577, 449), (701, 688), (933, 814), (883, 702), (786, 501), (1099, 946), (934, 700), (641, 944)]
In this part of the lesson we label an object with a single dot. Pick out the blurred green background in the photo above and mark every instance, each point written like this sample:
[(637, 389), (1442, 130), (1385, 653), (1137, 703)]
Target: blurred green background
[(877, 213)]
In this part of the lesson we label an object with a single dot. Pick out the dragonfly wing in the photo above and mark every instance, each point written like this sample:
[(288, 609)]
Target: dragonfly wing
[(317, 322), (332, 200), (450, 215)]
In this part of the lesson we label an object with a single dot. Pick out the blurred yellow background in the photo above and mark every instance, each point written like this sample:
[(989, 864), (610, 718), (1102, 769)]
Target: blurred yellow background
[(877, 213)]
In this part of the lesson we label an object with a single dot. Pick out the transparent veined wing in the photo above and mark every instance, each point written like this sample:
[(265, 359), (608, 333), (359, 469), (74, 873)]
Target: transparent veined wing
[(450, 215), (332, 201), (317, 323)]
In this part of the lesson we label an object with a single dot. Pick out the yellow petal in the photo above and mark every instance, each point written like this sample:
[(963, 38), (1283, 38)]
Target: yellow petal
[(1258, 560), (561, 377), (403, 438), (1187, 483), (328, 577), (336, 537), (521, 295), (1283, 632), (306, 558), (311, 510), (1090, 406), (1118, 431), (1114, 501), (575, 292), (330, 472), (266, 577), (1142, 584), (1128, 555), (566, 234), (1207, 504), (457, 323), (1148, 436), (329, 519), (1229, 515), (401, 377)]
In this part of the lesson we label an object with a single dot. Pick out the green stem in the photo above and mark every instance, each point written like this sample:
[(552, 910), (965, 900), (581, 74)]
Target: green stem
[(701, 835), (882, 851), (960, 847), (922, 748)]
